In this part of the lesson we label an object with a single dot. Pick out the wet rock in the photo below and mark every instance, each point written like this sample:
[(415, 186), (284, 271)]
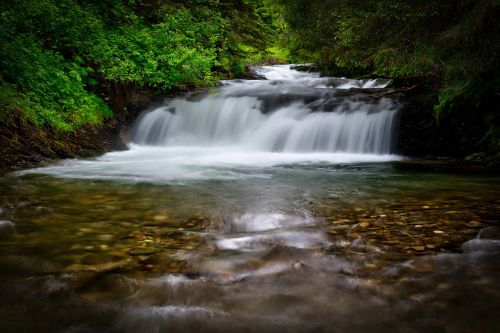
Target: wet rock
[(489, 233), (483, 245), (7, 228)]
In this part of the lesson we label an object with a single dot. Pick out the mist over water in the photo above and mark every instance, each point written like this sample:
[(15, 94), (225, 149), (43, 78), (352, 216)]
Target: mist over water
[(288, 117)]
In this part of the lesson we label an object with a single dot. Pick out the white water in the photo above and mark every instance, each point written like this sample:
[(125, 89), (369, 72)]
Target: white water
[(284, 114), (291, 117)]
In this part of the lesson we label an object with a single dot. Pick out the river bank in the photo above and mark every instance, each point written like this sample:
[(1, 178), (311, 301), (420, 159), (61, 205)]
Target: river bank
[(25, 145), (433, 146)]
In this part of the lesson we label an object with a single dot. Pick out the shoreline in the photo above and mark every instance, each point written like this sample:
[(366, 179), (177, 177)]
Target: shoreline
[(24, 145)]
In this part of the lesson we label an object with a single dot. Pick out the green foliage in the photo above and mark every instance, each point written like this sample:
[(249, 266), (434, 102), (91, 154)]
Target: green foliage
[(49, 90), (399, 38), (453, 45), (160, 55), (56, 54), (10, 100)]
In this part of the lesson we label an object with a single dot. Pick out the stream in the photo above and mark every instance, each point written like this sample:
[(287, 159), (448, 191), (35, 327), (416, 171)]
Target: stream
[(271, 204)]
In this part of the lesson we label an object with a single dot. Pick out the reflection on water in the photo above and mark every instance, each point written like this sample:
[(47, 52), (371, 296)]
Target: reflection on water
[(310, 248), (272, 205)]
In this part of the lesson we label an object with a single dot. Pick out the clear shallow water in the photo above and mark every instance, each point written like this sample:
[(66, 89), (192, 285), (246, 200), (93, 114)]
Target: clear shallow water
[(318, 247), (224, 238)]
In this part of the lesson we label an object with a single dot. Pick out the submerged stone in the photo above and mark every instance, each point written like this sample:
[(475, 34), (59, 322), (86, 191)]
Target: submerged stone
[(7, 228), (489, 233), (99, 268), (141, 251), (105, 237)]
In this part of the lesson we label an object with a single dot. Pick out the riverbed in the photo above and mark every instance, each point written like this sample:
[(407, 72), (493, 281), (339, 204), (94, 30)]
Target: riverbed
[(174, 235)]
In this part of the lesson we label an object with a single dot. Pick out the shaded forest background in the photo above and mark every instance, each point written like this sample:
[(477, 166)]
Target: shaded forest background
[(69, 64), (450, 48)]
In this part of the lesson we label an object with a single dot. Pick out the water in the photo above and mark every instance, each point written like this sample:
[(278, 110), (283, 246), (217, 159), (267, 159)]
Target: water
[(196, 230), (293, 113)]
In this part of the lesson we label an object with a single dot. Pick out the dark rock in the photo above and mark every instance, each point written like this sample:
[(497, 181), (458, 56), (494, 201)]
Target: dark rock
[(489, 233), (482, 245), (305, 68), (7, 228)]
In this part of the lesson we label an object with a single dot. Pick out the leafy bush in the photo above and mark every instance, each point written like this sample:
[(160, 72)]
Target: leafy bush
[(56, 53), (452, 45), (49, 90)]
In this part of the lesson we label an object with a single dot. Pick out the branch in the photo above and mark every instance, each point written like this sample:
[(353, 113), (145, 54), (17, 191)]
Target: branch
[(394, 91)]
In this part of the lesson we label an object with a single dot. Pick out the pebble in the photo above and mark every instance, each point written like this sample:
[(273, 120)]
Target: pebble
[(418, 248), (105, 238)]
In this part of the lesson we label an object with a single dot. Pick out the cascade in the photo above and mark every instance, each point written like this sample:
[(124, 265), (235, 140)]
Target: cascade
[(286, 111)]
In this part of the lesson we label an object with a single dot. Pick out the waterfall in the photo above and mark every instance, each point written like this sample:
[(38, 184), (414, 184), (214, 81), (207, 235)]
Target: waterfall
[(289, 111), (246, 127)]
